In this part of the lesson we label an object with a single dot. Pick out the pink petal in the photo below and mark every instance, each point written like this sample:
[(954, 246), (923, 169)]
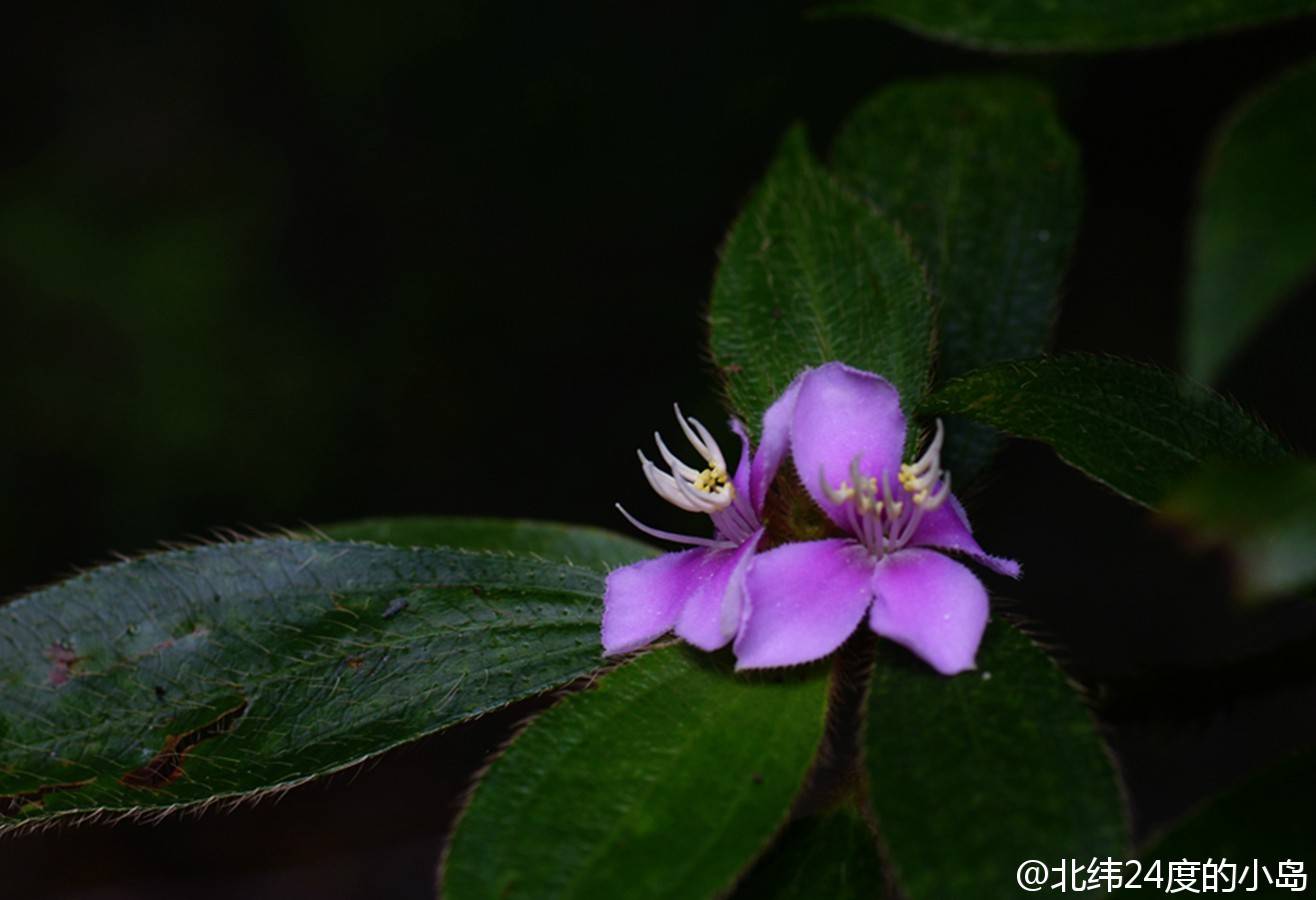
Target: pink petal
[(712, 609), (802, 601), (932, 605), (947, 527), (773, 442), (741, 479), (642, 600), (843, 413)]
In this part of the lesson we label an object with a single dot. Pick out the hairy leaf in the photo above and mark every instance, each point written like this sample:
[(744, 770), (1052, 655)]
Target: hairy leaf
[(833, 855), (1075, 25), (579, 545), (987, 184), (972, 775), (1137, 429), (228, 670), (665, 780), (1264, 519), (1254, 242), (811, 273)]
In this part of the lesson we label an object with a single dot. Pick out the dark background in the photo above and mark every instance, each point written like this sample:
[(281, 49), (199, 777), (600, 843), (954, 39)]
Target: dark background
[(314, 263)]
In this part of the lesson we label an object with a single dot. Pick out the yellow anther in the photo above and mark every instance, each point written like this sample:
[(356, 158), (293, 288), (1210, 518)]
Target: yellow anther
[(839, 494), (713, 481)]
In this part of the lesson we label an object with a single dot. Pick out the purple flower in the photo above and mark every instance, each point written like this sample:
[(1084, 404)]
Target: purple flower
[(847, 435), (698, 592)]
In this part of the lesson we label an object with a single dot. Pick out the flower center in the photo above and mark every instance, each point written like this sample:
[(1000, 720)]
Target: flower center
[(885, 520), (706, 491), (709, 490), (713, 480)]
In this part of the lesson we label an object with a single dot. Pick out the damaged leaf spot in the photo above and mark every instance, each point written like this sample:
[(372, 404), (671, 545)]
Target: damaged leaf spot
[(13, 804), (166, 767), (63, 660), (395, 607), (355, 662)]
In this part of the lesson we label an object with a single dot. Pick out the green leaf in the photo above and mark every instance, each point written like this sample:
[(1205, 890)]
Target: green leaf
[(833, 855), (972, 775), (1254, 241), (982, 176), (1268, 817), (233, 669), (579, 545), (811, 273), (1264, 519), (665, 780), (1073, 25), (1139, 430)]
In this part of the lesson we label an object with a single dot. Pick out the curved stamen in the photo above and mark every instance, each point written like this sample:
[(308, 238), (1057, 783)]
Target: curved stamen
[(711, 444), (932, 456), (887, 524), (666, 486), (694, 440), (940, 496), (672, 536), (857, 480), (894, 508), (690, 474), (907, 529), (836, 495), (710, 501), (921, 507)]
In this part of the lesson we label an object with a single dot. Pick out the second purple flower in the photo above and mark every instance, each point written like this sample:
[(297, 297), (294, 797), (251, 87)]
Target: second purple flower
[(699, 593), (847, 436)]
